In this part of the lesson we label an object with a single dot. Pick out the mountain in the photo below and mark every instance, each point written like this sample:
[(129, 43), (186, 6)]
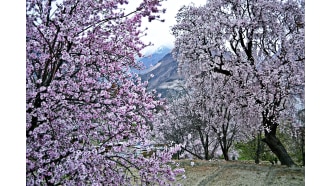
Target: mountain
[(163, 76), (152, 58)]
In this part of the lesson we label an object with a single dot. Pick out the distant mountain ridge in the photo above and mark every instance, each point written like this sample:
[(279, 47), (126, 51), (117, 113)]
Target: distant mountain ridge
[(151, 59), (164, 77)]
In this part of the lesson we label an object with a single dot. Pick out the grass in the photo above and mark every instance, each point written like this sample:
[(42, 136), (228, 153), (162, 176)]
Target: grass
[(239, 173)]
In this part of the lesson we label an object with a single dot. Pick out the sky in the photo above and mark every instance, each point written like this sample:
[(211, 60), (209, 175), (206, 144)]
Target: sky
[(159, 33)]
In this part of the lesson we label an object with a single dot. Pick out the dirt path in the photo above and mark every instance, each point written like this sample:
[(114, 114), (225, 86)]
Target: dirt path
[(238, 173)]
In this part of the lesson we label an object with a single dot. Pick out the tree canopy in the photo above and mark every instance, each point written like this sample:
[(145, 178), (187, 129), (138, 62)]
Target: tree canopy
[(84, 110)]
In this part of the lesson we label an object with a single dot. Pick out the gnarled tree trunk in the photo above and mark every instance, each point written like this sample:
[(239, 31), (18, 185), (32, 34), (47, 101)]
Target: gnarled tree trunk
[(278, 149), (273, 142)]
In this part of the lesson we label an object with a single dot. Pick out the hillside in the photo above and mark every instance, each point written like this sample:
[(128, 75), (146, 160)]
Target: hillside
[(150, 59), (166, 79)]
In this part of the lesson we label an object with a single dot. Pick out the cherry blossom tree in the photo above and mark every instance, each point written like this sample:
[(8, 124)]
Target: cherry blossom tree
[(214, 108), (259, 45), (84, 110), (225, 117), (204, 118), (183, 124)]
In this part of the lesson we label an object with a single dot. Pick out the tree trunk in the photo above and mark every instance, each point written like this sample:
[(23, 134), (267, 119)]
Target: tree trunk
[(225, 155), (278, 149), (224, 148), (206, 148), (303, 145), (257, 159), (192, 153)]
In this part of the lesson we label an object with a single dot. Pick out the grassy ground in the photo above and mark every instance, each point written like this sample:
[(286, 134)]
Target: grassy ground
[(243, 173)]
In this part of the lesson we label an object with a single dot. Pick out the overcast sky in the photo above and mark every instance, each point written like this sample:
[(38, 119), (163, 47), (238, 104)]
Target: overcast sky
[(159, 32)]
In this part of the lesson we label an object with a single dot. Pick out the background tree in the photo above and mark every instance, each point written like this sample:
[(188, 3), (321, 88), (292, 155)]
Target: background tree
[(207, 113), (214, 105), (259, 45), (183, 124), (83, 107)]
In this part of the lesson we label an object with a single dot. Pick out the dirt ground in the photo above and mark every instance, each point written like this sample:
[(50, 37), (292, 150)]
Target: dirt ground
[(240, 173)]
